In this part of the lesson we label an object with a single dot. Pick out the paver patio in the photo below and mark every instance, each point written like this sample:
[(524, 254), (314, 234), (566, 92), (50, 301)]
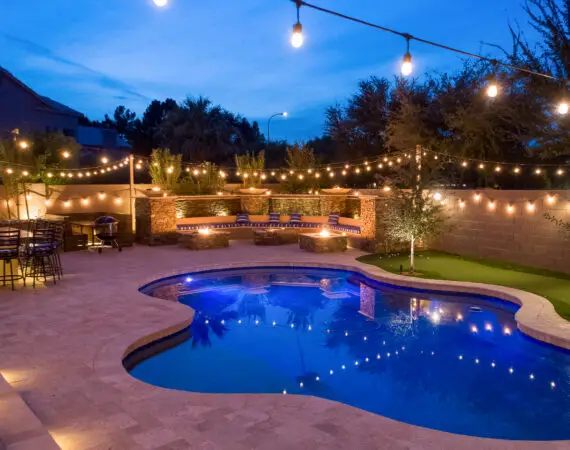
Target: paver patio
[(61, 349)]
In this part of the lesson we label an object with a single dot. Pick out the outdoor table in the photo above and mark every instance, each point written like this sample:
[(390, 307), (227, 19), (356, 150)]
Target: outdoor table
[(274, 236), (319, 243)]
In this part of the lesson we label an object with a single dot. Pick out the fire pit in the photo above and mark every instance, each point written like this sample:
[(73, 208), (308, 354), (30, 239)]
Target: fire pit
[(274, 236), (205, 239), (323, 242)]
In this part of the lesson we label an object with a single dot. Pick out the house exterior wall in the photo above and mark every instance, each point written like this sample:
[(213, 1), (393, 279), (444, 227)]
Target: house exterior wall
[(21, 109)]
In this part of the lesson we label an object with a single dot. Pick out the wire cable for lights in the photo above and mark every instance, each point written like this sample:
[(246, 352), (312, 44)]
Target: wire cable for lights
[(410, 37)]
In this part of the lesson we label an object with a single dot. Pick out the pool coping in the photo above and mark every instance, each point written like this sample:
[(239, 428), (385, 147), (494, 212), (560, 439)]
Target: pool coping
[(536, 318)]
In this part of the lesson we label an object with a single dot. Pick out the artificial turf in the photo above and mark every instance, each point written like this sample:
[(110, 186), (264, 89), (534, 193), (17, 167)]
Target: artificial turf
[(554, 286)]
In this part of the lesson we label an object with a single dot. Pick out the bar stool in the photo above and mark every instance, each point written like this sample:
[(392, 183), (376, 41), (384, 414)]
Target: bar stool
[(10, 252), (40, 255)]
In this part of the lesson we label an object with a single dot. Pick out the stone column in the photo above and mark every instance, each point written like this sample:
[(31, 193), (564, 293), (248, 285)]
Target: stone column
[(255, 204), (156, 220), (368, 217)]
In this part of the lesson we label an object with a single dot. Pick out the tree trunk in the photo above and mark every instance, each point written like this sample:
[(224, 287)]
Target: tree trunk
[(412, 256)]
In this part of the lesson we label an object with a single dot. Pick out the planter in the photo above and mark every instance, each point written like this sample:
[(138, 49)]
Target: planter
[(253, 191), (337, 191)]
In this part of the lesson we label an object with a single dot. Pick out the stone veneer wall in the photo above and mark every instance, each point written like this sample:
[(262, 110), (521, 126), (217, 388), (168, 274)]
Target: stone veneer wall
[(352, 208), (305, 205), (156, 220), (207, 206), (255, 204), (333, 204), (520, 236)]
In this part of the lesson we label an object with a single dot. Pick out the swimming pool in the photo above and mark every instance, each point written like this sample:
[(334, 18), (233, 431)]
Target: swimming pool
[(451, 362)]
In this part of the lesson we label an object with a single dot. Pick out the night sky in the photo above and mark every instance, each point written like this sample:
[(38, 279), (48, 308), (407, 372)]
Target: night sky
[(95, 54)]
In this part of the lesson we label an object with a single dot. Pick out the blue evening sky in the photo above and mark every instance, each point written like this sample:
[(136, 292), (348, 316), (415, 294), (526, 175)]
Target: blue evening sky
[(96, 54)]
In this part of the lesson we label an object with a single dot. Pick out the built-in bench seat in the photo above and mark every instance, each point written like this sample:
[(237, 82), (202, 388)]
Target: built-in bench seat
[(344, 225)]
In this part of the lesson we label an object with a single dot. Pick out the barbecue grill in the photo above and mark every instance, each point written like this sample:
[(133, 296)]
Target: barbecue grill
[(106, 231)]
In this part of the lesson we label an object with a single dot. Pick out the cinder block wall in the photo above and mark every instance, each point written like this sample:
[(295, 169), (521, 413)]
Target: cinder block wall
[(511, 230)]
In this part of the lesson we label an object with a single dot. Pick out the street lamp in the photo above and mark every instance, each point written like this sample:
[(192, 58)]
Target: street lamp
[(282, 114)]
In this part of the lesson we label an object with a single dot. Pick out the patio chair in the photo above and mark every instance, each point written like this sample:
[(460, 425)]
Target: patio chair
[(41, 260), (10, 252)]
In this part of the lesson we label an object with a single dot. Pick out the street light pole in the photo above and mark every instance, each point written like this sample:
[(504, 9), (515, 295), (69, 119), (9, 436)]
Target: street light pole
[(282, 114)]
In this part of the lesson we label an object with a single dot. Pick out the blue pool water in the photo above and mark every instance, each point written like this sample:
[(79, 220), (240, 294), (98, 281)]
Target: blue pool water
[(450, 362)]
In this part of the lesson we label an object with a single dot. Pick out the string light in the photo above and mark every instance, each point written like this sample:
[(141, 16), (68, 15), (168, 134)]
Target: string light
[(530, 207), (492, 205), (510, 208), (297, 37), (551, 199), (563, 108), (407, 66), (477, 197), (481, 166), (492, 90)]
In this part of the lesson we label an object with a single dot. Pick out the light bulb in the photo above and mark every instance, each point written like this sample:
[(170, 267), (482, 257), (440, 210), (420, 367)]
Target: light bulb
[(297, 38), (66, 154), (563, 108), (492, 90), (160, 3), (407, 66)]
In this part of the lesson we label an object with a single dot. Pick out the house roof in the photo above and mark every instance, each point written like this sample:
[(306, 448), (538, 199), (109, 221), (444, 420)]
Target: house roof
[(46, 101)]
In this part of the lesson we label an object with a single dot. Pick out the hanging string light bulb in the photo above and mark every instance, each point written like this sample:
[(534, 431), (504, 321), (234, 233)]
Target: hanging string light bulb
[(407, 66), (297, 37), (492, 90)]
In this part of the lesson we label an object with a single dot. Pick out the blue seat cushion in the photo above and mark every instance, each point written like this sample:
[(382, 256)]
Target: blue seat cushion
[(295, 218), (333, 219), (274, 217), (242, 218)]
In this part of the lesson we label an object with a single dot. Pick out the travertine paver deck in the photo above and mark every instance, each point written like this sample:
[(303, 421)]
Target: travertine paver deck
[(61, 349)]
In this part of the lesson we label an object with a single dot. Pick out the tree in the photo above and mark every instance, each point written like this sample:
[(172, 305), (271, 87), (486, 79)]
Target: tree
[(250, 167), (165, 169), (301, 161), (413, 214)]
